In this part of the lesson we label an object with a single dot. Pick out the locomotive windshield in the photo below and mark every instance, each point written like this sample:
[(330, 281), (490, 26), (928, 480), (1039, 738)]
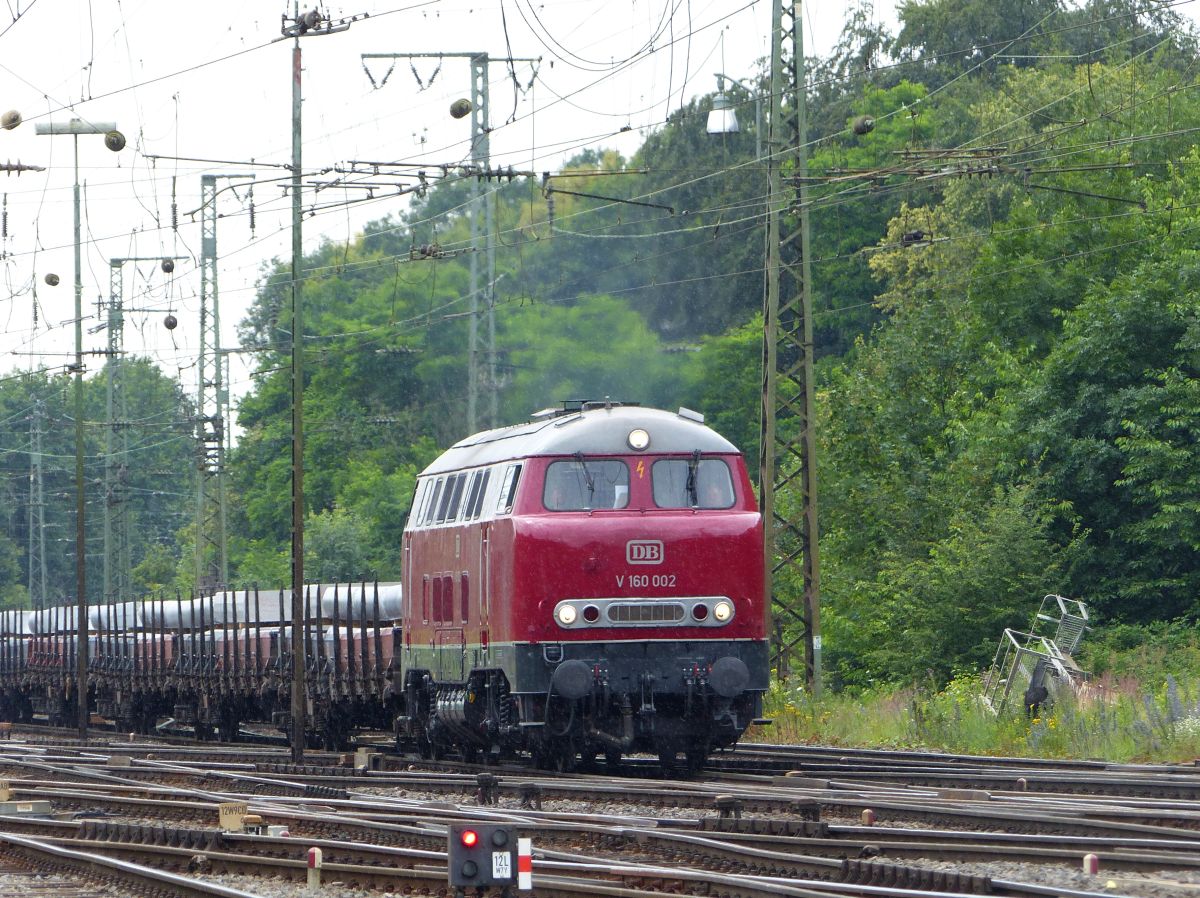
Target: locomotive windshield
[(579, 485), (692, 483)]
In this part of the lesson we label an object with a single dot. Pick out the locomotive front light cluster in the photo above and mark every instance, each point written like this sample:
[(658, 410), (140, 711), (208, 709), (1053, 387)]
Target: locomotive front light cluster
[(638, 439), (693, 611)]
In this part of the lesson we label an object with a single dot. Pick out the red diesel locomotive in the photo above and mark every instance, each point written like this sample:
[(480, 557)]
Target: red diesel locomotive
[(587, 583)]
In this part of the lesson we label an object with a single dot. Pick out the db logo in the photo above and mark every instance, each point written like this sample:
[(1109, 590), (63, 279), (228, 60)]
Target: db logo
[(644, 551)]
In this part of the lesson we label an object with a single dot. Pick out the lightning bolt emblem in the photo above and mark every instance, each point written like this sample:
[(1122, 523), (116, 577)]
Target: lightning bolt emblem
[(641, 469)]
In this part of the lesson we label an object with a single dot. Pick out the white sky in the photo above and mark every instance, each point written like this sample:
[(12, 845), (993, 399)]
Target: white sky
[(170, 76), (212, 81)]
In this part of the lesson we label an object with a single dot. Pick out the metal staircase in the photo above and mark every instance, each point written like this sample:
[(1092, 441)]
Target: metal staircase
[(1032, 665)]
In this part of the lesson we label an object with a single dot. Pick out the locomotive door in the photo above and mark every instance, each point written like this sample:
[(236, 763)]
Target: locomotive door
[(451, 647)]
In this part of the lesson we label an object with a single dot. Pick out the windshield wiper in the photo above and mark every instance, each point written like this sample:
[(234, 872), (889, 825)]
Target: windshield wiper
[(587, 476), (693, 496)]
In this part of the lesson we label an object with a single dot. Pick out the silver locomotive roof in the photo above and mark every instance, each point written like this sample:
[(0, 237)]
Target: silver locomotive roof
[(592, 430)]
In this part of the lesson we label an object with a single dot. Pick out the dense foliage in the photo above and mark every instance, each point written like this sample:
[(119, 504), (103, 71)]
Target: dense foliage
[(1004, 282), (154, 484)]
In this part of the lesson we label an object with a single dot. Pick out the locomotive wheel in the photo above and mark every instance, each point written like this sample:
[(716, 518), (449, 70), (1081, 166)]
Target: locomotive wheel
[(612, 759), (695, 760)]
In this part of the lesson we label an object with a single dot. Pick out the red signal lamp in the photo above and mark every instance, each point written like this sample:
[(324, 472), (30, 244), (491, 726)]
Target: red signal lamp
[(470, 838)]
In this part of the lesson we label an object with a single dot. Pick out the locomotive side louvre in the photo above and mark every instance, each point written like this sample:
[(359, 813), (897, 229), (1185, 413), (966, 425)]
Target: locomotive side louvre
[(568, 591)]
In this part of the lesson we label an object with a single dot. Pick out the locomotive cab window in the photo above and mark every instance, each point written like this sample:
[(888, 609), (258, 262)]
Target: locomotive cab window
[(420, 495), (433, 502), (508, 489), (692, 483), (451, 494), (472, 495), (582, 484), (479, 484)]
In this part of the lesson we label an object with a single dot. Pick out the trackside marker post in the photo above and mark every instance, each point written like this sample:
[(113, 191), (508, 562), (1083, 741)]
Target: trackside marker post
[(1091, 864), (525, 864), (314, 869), (230, 814)]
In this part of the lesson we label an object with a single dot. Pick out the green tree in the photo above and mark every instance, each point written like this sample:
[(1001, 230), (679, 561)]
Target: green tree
[(336, 546), (156, 570)]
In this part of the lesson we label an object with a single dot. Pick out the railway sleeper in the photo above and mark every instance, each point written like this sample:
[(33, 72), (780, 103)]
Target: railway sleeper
[(809, 829), (876, 873), (147, 834), (308, 770)]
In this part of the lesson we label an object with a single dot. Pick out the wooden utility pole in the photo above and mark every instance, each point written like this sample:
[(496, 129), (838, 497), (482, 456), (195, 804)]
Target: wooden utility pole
[(311, 23)]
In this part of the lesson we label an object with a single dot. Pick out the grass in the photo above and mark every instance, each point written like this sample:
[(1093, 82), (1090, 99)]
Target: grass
[(1112, 719)]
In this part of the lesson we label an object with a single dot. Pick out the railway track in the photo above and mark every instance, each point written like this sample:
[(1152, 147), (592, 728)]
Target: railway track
[(40, 867), (736, 834)]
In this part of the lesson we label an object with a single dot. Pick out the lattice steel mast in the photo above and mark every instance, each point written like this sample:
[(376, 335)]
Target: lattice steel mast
[(212, 406), (787, 445)]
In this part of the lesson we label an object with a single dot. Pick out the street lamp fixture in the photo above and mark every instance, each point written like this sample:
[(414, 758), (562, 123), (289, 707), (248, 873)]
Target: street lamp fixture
[(723, 117), (115, 141)]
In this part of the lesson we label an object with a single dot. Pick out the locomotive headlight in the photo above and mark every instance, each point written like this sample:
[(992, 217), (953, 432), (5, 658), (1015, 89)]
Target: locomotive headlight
[(723, 611), (566, 614), (638, 439)]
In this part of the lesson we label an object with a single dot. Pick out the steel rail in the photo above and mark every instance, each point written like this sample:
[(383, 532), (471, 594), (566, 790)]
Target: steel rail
[(136, 875)]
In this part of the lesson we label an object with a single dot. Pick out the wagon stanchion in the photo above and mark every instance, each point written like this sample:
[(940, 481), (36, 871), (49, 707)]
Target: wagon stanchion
[(379, 670), (231, 713), (282, 661), (364, 647), (337, 642), (258, 669), (244, 685), (210, 666), (181, 640), (224, 656)]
